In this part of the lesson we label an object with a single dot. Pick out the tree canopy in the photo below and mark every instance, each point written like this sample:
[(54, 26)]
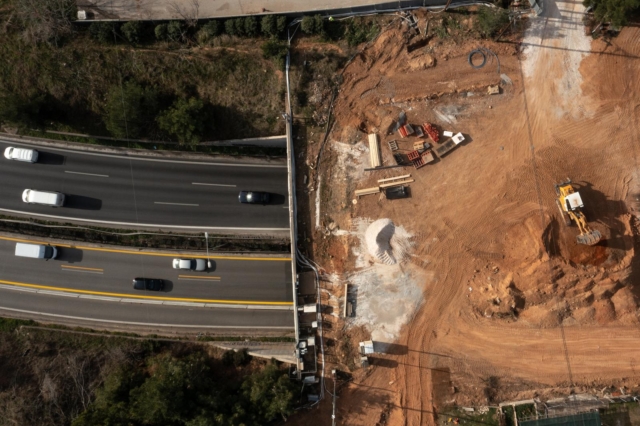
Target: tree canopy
[(615, 12), (184, 120), (187, 391), (130, 110)]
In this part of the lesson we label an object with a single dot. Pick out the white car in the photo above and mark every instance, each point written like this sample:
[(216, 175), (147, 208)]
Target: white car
[(21, 154), (190, 264)]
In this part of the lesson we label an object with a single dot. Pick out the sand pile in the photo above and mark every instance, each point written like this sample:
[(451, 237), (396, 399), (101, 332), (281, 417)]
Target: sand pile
[(378, 238)]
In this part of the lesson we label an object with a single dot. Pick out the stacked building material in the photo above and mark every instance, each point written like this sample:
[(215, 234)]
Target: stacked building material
[(374, 150), (431, 131)]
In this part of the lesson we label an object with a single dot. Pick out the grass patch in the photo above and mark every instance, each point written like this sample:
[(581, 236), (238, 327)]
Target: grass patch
[(66, 86), (489, 418)]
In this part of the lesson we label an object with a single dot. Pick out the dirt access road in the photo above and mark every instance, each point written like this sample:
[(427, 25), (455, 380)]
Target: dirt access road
[(512, 307)]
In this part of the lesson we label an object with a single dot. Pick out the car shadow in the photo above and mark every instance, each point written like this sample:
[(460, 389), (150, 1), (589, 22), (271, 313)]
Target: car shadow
[(82, 203), (70, 255), (276, 199), (168, 286), (50, 158)]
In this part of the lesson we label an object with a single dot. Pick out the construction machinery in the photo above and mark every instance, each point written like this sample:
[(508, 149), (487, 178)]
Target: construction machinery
[(570, 205)]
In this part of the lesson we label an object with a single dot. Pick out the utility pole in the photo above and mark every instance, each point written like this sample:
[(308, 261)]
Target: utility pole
[(333, 415)]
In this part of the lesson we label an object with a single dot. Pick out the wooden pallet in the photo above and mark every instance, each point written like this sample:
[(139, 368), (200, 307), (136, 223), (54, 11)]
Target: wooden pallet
[(393, 145)]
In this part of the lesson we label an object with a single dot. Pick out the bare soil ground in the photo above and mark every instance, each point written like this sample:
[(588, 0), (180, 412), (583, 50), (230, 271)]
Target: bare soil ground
[(511, 306)]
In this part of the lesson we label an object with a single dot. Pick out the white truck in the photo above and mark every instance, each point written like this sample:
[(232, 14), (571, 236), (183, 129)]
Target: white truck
[(21, 154), (45, 198), (36, 251)]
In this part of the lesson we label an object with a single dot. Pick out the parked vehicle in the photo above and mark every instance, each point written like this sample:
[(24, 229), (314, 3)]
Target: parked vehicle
[(253, 197), (21, 154), (36, 251), (151, 284), (190, 264), (45, 198)]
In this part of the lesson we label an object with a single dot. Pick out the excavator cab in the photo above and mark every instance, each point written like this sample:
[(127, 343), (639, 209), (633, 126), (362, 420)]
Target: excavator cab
[(570, 205)]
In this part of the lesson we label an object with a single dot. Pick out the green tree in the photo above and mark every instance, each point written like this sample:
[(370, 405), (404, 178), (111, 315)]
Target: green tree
[(104, 32), (270, 394), (276, 50), (161, 32), (281, 24), (268, 26), (308, 25), (230, 27), (491, 20), (132, 31), (130, 110), (19, 110), (212, 28), (250, 26), (238, 23), (319, 24), (175, 31), (184, 120), (616, 12)]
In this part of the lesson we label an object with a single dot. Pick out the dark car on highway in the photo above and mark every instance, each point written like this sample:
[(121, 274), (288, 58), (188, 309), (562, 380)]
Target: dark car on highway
[(253, 197), (151, 284)]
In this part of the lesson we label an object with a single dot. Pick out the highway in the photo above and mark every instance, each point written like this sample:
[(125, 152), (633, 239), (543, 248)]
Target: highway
[(94, 271), (145, 317), (147, 192)]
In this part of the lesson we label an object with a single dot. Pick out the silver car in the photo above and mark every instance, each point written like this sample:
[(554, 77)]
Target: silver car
[(190, 264)]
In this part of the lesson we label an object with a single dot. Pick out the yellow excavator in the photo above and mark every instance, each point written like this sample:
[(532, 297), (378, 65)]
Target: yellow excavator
[(570, 206)]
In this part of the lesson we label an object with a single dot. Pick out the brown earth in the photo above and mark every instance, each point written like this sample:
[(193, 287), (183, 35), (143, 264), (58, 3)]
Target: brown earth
[(515, 308)]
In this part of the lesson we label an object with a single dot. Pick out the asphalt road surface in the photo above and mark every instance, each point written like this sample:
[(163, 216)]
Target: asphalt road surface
[(112, 315), (146, 192), (109, 272)]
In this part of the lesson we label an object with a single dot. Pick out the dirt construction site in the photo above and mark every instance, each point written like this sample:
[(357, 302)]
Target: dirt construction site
[(473, 288)]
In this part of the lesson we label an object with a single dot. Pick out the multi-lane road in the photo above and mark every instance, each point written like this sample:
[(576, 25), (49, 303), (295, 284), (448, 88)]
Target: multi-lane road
[(93, 285), (147, 192)]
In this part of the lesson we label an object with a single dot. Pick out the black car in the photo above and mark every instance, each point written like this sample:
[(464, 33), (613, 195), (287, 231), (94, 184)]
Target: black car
[(253, 197), (151, 284)]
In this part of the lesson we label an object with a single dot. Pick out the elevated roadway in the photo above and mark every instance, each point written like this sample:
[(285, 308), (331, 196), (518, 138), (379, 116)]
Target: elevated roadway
[(147, 192), (94, 284)]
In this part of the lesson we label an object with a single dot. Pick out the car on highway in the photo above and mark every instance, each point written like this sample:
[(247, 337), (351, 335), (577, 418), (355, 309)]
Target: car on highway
[(190, 264), (21, 154), (253, 197), (44, 198), (151, 284)]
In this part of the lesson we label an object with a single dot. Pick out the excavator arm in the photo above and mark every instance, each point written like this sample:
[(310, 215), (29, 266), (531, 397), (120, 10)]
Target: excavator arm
[(587, 235)]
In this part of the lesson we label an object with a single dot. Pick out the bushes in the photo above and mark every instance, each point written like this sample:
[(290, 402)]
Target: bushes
[(132, 31), (104, 32), (312, 24), (161, 32), (130, 110), (184, 120), (236, 358), (189, 391), (275, 50), (491, 20), (616, 12)]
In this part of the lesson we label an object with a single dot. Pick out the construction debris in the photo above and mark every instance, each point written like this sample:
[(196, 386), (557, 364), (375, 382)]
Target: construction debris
[(493, 90), (367, 191), (431, 131), (374, 150), (406, 130)]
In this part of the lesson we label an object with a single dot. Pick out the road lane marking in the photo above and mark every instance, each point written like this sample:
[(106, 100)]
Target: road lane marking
[(146, 225), (197, 277), (155, 160), (85, 174), (176, 204), (135, 296), (143, 323), (143, 253), (83, 269), (212, 184)]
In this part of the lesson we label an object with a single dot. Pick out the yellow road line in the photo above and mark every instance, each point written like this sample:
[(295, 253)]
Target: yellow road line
[(199, 277), (143, 253), (82, 268), (135, 296)]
